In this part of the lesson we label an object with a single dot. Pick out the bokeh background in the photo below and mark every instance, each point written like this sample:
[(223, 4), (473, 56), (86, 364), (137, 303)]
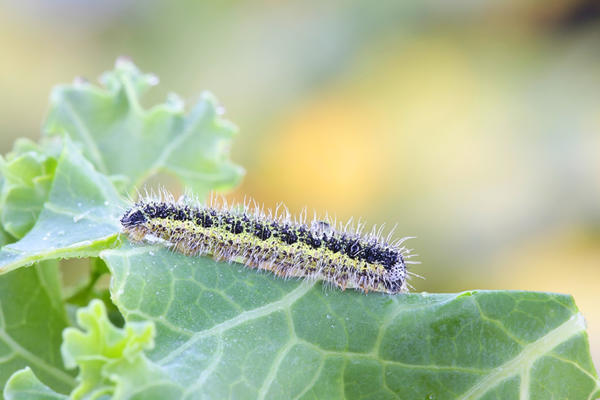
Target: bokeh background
[(474, 126)]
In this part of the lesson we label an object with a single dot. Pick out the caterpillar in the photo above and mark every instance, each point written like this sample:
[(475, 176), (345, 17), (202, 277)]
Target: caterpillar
[(338, 254)]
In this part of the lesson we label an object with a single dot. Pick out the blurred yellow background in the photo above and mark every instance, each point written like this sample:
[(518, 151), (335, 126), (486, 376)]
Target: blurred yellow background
[(474, 126)]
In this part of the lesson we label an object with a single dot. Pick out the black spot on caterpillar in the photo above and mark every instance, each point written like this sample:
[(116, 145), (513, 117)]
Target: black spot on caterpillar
[(288, 247)]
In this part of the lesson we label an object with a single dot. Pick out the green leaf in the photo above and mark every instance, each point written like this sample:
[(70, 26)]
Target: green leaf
[(5, 238), (111, 361), (80, 217), (28, 172), (121, 137), (32, 318), (24, 385), (226, 331)]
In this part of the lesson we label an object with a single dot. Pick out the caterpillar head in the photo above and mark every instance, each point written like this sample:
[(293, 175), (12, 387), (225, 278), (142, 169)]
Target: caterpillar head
[(133, 218)]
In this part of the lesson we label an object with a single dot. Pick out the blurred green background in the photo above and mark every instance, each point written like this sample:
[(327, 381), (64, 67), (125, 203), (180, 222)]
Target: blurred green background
[(473, 125)]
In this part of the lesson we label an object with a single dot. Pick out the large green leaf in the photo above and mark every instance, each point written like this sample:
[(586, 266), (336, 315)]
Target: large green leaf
[(32, 318), (120, 137), (225, 331), (80, 217)]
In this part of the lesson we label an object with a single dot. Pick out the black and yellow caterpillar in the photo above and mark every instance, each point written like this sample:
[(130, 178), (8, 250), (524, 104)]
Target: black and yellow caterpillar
[(288, 248)]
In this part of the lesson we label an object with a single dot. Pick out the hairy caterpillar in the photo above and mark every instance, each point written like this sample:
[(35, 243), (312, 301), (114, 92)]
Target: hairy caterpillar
[(275, 242)]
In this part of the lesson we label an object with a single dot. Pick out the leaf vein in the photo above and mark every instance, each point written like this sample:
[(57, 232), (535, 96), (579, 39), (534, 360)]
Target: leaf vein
[(246, 316), (530, 353)]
